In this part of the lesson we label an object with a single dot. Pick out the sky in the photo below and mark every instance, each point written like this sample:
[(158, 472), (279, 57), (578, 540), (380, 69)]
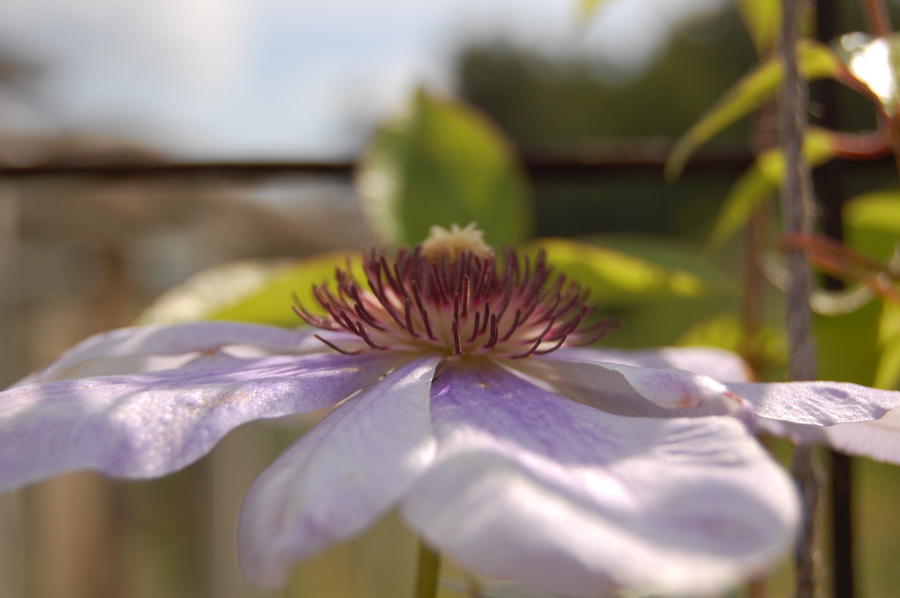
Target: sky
[(281, 79)]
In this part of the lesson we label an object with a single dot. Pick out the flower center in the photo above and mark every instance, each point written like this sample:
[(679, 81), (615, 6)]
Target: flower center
[(449, 294)]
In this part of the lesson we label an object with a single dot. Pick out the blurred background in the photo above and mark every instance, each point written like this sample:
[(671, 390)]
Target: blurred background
[(142, 142)]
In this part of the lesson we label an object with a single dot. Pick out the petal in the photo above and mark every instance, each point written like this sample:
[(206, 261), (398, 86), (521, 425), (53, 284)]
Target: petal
[(124, 346), (718, 364), (630, 390), (817, 403), (879, 439), (536, 488), (339, 477), (147, 425)]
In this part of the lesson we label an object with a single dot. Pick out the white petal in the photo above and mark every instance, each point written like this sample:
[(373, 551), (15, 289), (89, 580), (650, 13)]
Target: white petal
[(120, 351), (148, 425), (535, 488), (879, 439), (718, 364), (817, 403), (339, 477), (630, 390)]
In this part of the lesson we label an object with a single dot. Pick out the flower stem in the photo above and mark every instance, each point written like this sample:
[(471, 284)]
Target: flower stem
[(428, 572)]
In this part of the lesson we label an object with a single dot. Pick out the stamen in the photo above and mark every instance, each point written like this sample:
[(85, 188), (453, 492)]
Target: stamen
[(456, 345), (365, 336), (422, 312), (361, 312), (513, 327), (335, 347), (408, 313), (487, 315), (474, 327), (528, 353), (421, 300), (494, 334), (555, 347), (465, 294)]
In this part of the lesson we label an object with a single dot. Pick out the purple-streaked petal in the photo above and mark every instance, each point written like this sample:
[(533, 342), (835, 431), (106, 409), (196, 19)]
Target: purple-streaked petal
[(339, 477), (630, 390), (120, 351), (536, 488), (147, 425), (718, 364)]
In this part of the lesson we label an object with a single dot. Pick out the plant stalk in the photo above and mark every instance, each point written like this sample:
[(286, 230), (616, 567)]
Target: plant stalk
[(797, 210), (428, 571)]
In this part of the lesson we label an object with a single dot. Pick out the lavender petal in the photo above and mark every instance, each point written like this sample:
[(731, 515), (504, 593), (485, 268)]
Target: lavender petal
[(339, 477), (630, 390), (536, 488), (151, 424), (120, 351)]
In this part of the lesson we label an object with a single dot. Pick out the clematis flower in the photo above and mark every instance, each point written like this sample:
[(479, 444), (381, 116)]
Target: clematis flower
[(461, 397)]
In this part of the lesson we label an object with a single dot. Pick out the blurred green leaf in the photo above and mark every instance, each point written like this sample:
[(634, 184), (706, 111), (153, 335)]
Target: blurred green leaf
[(725, 331), (872, 223), (443, 163), (619, 278), (750, 191), (248, 291), (669, 253), (888, 372), (722, 331), (760, 182), (816, 62), (847, 345), (763, 21)]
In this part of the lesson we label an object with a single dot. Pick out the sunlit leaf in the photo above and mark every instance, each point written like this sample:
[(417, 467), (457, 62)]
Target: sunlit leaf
[(442, 163), (247, 291), (671, 254), (617, 278), (874, 61), (816, 62), (761, 181), (762, 18)]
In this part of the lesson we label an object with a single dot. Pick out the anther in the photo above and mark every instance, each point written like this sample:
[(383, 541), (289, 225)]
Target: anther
[(515, 323), (335, 347), (495, 333), (408, 313), (457, 349), (365, 336), (474, 327)]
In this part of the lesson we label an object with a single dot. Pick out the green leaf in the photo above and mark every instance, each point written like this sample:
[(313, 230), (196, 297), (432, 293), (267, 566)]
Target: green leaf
[(761, 181), (671, 254), (748, 193), (888, 372), (816, 62), (248, 291), (762, 18), (859, 330), (872, 223), (725, 331), (618, 278), (443, 163)]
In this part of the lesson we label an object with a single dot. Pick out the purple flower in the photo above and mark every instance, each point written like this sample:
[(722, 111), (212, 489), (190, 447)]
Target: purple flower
[(577, 471)]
